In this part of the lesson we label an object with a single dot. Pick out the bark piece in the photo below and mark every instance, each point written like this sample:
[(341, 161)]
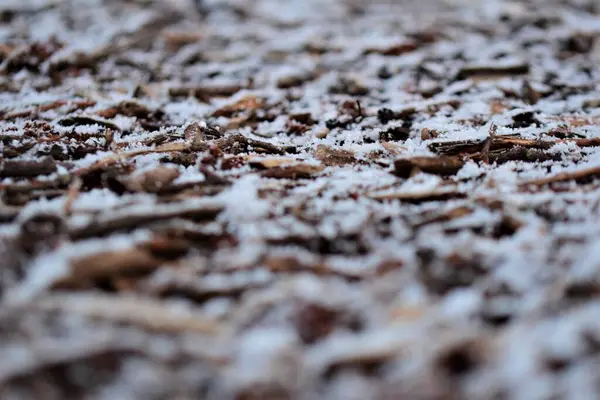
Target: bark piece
[(77, 120), (131, 219), (485, 72), (205, 93), (428, 134), (519, 153), (237, 144), (27, 168), (395, 133), (128, 108)]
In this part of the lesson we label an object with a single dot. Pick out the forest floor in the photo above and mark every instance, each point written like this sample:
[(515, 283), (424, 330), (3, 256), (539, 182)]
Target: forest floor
[(301, 199)]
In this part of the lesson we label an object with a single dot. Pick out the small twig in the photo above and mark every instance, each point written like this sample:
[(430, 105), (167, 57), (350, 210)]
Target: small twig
[(109, 138), (360, 113), (72, 194), (440, 194), (504, 142), (566, 176), (485, 151), (212, 178)]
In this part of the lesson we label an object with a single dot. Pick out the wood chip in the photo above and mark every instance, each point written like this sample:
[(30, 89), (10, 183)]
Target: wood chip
[(296, 171), (247, 103), (138, 311), (107, 264), (152, 181), (334, 157), (405, 167)]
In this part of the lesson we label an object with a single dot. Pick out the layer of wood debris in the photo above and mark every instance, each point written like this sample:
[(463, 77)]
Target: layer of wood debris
[(299, 199)]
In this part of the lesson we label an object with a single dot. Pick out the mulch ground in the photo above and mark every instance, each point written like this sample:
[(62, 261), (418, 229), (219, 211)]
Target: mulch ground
[(301, 199)]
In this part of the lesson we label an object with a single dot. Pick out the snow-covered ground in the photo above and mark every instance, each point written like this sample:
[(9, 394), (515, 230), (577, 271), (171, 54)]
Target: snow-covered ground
[(267, 199)]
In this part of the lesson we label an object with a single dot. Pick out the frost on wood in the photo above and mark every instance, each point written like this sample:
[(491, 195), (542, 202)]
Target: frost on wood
[(272, 199)]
